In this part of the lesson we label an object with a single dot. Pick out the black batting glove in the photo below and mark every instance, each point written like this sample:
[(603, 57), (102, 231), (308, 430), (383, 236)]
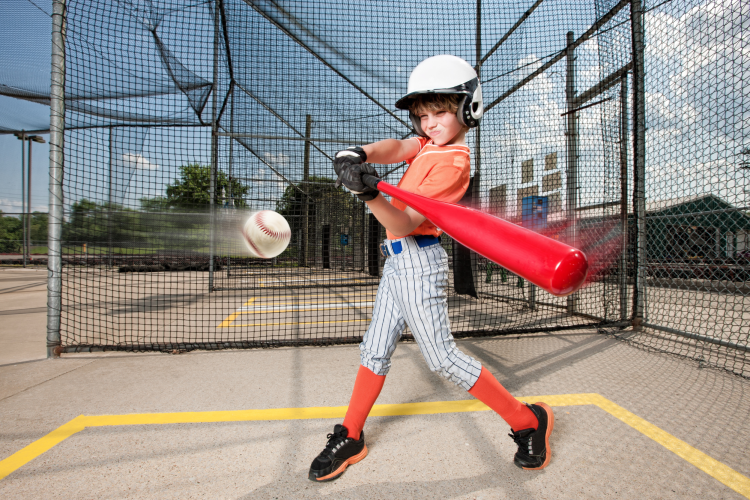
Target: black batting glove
[(346, 158), (351, 178)]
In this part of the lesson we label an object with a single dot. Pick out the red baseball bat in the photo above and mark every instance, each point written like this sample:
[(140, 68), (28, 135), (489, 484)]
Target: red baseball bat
[(550, 264)]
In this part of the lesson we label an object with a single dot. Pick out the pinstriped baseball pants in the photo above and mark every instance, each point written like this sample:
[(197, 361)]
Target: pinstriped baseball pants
[(412, 292)]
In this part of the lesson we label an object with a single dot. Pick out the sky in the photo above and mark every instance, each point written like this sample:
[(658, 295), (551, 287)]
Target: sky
[(10, 172)]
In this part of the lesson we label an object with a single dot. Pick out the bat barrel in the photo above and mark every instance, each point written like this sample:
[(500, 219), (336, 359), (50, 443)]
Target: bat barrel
[(550, 264), (569, 274)]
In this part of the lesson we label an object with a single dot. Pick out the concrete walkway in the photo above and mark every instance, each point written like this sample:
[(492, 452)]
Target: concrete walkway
[(597, 453), (23, 314)]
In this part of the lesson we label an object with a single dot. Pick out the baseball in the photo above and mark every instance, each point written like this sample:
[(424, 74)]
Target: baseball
[(266, 234)]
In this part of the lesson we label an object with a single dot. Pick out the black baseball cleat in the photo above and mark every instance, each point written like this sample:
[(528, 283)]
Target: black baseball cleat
[(533, 445), (339, 453)]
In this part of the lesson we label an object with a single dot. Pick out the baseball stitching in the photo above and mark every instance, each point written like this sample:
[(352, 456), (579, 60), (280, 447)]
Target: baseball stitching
[(274, 234)]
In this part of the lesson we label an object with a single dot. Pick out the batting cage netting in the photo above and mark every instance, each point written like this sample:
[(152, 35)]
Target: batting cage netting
[(622, 127)]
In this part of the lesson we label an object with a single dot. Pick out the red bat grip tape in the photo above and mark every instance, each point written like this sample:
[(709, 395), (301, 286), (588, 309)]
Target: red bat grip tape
[(550, 264)]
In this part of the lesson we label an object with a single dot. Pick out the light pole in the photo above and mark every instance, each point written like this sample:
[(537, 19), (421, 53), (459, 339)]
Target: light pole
[(26, 193)]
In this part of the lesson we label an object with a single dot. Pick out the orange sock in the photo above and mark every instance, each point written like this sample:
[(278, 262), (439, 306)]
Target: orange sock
[(366, 390), (489, 391)]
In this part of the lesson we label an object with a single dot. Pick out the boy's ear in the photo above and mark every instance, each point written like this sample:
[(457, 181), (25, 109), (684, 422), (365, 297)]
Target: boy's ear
[(416, 124)]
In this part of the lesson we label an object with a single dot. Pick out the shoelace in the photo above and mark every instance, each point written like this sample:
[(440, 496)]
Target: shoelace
[(334, 440), (523, 442)]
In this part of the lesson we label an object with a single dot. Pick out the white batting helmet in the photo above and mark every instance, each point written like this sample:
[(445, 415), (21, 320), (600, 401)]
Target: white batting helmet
[(446, 74)]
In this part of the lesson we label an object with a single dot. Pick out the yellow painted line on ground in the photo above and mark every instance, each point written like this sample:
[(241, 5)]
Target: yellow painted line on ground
[(229, 319), (227, 323), (712, 467), (29, 453)]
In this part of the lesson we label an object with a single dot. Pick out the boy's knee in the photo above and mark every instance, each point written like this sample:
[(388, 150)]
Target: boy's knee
[(460, 369)]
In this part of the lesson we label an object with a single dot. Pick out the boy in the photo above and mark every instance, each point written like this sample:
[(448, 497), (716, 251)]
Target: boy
[(444, 100)]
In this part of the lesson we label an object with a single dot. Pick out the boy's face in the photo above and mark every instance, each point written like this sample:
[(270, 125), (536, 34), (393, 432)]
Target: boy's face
[(441, 126)]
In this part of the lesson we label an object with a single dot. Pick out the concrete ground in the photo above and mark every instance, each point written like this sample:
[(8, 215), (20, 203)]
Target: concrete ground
[(448, 455), (23, 314)]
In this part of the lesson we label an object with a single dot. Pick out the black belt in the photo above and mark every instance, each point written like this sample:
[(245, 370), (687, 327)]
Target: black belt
[(423, 240)]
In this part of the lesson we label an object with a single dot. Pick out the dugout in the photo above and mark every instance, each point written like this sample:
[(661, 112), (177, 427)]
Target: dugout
[(703, 227)]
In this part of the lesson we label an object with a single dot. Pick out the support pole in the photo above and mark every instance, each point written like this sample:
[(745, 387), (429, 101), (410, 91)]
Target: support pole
[(230, 193), (572, 160), (56, 164), (624, 197), (362, 243), (475, 196), (305, 199), (214, 152), (109, 204), (639, 162), (28, 204), (23, 197)]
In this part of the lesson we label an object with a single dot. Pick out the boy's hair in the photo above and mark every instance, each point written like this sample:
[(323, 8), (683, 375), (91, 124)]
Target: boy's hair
[(435, 102)]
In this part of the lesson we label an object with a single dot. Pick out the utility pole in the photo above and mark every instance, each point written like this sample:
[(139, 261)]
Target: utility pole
[(26, 192), (22, 137)]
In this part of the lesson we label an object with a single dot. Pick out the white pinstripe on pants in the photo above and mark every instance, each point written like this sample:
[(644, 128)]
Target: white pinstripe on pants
[(412, 292)]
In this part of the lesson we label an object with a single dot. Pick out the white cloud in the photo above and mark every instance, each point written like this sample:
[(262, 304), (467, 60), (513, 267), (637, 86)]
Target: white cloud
[(8, 205), (138, 162), (698, 109), (277, 161)]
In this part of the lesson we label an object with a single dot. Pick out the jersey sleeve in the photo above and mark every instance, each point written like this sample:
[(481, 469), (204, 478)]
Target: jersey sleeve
[(422, 143), (447, 181)]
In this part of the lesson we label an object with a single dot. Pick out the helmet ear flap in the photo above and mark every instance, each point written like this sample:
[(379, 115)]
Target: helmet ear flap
[(464, 118), (417, 124), (470, 109)]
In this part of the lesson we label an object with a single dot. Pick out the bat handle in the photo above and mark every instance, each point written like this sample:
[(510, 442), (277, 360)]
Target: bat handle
[(371, 180)]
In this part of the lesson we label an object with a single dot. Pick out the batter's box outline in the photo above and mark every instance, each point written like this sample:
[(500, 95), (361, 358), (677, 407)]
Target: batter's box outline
[(722, 473)]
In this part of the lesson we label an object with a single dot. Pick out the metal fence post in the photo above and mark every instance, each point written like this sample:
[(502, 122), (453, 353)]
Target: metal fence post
[(109, 204), (23, 196), (624, 197), (476, 199), (56, 164), (214, 152), (305, 200), (572, 160), (639, 161), (28, 203), (230, 193)]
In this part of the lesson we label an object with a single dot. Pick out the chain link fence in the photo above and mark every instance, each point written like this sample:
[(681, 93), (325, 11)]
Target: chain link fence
[(618, 126)]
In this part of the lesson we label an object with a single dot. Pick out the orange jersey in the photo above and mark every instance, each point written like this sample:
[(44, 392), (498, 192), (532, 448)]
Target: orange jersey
[(438, 172)]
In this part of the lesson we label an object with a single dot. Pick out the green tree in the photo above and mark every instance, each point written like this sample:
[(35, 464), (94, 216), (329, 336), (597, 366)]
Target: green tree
[(39, 224), (87, 223), (11, 234), (326, 204), (156, 204), (192, 188)]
